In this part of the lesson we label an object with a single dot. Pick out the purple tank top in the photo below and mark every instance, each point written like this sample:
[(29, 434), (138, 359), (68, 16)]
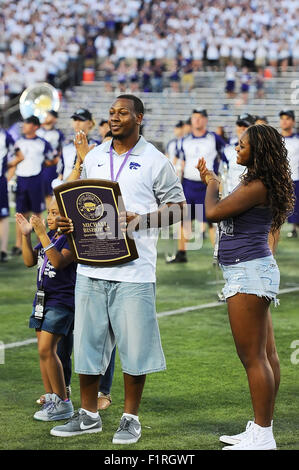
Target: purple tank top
[(245, 237)]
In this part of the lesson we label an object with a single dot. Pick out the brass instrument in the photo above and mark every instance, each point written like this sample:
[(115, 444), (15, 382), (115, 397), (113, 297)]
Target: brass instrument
[(38, 99)]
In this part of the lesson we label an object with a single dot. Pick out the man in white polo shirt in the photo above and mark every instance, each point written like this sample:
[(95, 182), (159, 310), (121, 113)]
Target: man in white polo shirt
[(117, 304)]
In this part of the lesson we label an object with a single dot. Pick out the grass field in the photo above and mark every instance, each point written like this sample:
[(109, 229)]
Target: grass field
[(202, 394)]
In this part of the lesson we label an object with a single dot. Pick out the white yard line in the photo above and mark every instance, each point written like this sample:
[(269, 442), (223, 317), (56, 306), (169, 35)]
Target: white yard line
[(159, 315)]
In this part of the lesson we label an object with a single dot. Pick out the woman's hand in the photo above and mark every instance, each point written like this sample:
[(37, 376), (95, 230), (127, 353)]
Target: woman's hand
[(25, 226), (38, 225), (205, 174), (82, 147)]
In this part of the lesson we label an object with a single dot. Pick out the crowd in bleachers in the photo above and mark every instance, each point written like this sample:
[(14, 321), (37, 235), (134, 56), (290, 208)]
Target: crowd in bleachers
[(137, 41)]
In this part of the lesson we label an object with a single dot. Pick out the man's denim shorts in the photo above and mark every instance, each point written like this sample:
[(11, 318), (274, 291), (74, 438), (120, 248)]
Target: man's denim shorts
[(121, 313), (258, 276)]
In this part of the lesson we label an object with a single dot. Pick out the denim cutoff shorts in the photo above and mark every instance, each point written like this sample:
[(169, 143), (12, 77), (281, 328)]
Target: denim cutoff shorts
[(258, 276), (57, 320), (121, 313)]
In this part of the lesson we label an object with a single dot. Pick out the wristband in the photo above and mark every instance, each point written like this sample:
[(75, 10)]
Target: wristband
[(48, 247)]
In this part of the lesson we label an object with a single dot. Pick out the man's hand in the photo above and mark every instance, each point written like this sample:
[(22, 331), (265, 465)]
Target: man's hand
[(129, 221), (64, 225), (82, 147)]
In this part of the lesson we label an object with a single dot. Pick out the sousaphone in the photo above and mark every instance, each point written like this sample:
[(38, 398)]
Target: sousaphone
[(38, 99)]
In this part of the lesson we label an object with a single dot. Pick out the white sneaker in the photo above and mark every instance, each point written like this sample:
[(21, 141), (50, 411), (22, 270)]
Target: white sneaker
[(258, 438), (237, 437)]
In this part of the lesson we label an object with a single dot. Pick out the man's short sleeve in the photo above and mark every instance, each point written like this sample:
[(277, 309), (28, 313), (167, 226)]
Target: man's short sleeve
[(167, 186)]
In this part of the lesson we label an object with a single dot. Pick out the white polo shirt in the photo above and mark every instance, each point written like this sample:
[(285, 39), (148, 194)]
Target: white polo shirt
[(292, 146), (147, 181), (209, 146), (234, 170), (35, 152), (54, 136), (6, 149)]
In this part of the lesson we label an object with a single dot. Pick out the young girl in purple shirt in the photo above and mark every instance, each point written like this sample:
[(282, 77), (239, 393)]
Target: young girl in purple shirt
[(257, 208), (53, 306)]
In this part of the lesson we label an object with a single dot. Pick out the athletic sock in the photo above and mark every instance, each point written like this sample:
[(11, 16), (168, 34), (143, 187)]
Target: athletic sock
[(90, 413), (131, 416)]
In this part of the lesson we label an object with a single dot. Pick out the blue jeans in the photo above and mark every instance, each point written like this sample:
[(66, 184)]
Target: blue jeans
[(64, 351), (106, 380)]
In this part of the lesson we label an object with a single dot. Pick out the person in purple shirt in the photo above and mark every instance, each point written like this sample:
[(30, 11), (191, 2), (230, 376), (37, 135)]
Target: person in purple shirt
[(260, 204), (53, 306)]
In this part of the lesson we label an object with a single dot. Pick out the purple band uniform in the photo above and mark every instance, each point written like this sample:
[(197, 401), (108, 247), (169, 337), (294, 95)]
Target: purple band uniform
[(195, 192), (30, 194), (294, 218), (4, 207)]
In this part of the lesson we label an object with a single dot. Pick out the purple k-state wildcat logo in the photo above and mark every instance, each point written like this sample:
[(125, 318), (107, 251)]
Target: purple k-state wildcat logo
[(134, 166)]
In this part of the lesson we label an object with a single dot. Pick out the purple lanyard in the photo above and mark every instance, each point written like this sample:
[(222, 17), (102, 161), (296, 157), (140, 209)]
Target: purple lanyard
[(42, 269), (122, 165)]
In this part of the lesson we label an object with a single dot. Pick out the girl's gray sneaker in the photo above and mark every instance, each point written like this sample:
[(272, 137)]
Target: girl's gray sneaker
[(54, 409)]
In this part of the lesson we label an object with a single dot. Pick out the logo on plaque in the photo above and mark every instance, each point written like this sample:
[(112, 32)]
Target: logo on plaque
[(90, 206)]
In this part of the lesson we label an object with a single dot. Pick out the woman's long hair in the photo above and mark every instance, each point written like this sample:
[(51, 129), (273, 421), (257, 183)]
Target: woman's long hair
[(270, 164)]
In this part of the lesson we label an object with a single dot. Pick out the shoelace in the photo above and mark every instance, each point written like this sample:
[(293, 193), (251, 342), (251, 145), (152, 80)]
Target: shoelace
[(125, 425), (49, 406), (249, 424), (75, 416)]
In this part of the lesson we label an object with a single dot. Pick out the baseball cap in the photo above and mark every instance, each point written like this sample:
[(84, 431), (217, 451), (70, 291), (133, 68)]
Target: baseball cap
[(179, 124), (288, 112), (103, 121), (200, 111), (82, 114), (53, 113), (261, 118), (245, 120), (32, 120)]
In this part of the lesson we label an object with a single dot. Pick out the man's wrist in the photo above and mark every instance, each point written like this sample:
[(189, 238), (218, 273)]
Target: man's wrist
[(78, 167), (144, 222)]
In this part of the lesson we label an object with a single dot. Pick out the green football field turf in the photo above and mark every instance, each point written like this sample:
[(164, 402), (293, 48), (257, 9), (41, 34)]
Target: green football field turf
[(202, 394)]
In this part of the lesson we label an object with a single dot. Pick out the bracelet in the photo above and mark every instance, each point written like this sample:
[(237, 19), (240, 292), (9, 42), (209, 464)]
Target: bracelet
[(48, 247)]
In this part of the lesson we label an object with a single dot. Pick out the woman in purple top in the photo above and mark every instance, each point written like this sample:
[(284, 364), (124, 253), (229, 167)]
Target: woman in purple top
[(53, 306), (256, 208)]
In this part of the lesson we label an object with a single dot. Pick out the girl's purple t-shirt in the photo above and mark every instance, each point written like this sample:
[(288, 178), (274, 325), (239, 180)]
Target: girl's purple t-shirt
[(58, 285)]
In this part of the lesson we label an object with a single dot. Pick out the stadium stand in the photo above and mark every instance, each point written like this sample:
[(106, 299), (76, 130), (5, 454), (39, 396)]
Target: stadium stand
[(163, 110), (170, 53)]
